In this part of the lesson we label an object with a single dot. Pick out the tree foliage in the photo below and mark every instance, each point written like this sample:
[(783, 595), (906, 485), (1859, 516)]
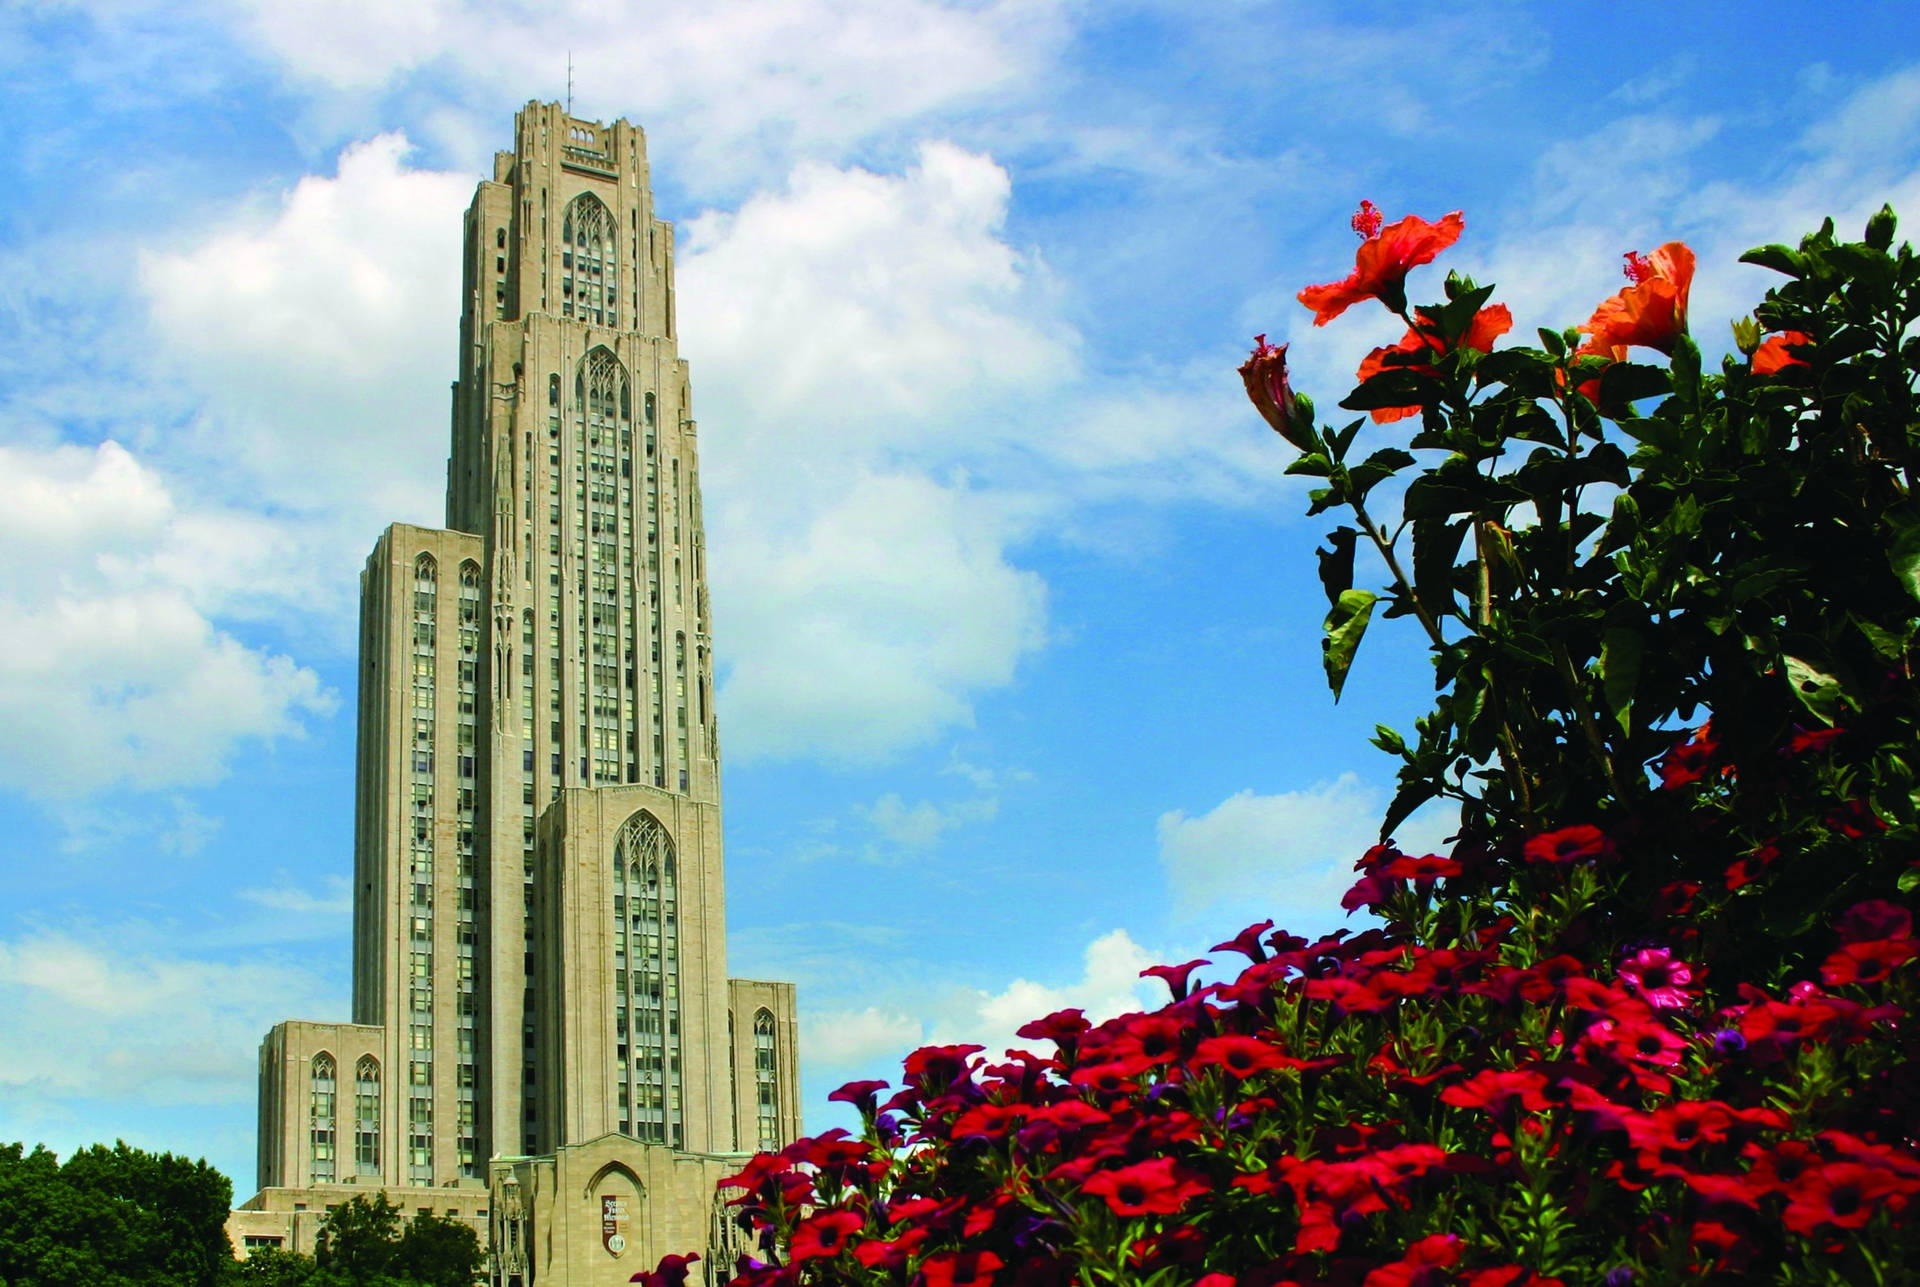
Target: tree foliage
[(111, 1217), (1646, 1020)]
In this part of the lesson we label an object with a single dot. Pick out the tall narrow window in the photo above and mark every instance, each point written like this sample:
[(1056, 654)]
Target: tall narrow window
[(366, 1116), (322, 1125), (426, 611), (646, 971), (590, 263), (603, 515), (766, 1080)]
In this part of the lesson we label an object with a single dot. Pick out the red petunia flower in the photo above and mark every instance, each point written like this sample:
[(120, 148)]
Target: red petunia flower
[(1381, 266), (860, 1094), (1864, 963), (938, 1067), (1238, 1056), (1842, 1194), (1488, 325), (1425, 1263), (1874, 919), (961, 1269), (1247, 943), (1689, 761), (1174, 976), (1583, 842), (1652, 312), (1060, 1027), (1153, 1187), (823, 1235), (1773, 354), (670, 1272)]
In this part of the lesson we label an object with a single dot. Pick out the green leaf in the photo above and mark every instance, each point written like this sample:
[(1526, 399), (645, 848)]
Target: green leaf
[(1904, 554), (1818, 691), (1393, 387), (1628, 382), (1620, 673), (1909, 879), (1781, 259), (1410, 797), (1336, 564), (1459, 491), (1552, 343), (1344, 626)]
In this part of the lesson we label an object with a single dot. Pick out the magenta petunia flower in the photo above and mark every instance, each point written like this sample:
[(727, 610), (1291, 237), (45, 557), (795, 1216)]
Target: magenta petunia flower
[(1660, 980)]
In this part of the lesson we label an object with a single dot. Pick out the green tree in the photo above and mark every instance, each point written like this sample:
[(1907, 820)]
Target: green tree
[(358, 1239), (111, 1217), (438, 1251), (271, 1267)]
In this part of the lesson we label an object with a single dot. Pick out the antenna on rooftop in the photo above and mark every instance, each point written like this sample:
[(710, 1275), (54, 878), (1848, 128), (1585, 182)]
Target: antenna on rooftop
[(569, 82)]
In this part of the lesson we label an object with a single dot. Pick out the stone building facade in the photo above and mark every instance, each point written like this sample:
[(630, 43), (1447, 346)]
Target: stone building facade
[(545, 1041)]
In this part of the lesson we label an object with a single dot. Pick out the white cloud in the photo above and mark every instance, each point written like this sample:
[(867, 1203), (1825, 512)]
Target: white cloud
[(316, 329), (737, 86), (106, 1017), (336, 902), (114, 672), (855, 1039), (1285, 854), (916, 826)]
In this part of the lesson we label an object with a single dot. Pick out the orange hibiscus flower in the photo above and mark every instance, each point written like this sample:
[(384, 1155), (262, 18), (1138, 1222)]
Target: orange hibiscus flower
[(1651, 312), (1385, 257), (1489, 324), (1774, 353)]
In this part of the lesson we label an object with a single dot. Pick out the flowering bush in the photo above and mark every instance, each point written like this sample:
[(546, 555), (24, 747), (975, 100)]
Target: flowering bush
[(1646, 1021)]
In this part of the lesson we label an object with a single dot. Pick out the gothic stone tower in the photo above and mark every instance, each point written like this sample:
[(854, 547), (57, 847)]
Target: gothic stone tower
[(539, 905)]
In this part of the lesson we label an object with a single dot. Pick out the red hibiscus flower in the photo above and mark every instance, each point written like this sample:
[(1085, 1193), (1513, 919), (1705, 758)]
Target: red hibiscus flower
[(824, 1235), (1581, 843), (1652, 312), (1488, 325), (1773, 354), (1153, 1187), (1381, 266), (963, 1269)]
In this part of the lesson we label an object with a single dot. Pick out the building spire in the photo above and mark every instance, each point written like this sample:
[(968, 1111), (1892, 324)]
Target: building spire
[(569, 82)]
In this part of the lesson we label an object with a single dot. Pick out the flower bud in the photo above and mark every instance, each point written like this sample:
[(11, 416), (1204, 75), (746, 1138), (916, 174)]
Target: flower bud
[(1746, 335), (1265, 373)]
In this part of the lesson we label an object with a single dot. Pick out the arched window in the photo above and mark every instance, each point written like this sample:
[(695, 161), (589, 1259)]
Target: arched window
[(766, 1080), (366, 1116), (322, 1126), (590, 263), (646, 968)]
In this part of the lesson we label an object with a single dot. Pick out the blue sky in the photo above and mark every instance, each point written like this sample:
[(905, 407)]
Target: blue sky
[(1017, 614)]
